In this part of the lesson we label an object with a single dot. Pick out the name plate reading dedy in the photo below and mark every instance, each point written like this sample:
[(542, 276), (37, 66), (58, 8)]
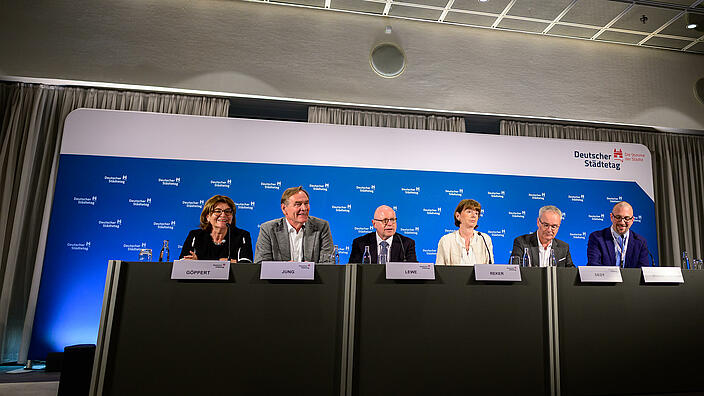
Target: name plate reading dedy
[(424, 271), (287, 270), (497, 272), (662, 275), (608, 274), (201, 269)]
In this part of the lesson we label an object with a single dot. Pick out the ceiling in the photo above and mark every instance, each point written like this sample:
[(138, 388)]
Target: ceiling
[(612, 21)]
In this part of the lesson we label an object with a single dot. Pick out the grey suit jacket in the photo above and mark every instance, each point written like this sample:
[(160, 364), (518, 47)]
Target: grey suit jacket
[(273, 243), (530, 241)]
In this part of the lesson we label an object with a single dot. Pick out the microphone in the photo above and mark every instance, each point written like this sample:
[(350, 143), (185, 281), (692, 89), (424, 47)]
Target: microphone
[(229, 244), (403, 250), (652, 260), (485, 245)]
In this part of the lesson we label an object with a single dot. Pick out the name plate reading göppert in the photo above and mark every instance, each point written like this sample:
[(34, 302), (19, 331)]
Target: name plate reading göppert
[(497, 272), (200, 269), (287, 270), (608, 274), (662, 275), (424, 271)]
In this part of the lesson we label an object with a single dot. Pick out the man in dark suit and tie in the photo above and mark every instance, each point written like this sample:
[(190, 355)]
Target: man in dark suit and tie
[(385, 245), (618, 245), (541, 242)]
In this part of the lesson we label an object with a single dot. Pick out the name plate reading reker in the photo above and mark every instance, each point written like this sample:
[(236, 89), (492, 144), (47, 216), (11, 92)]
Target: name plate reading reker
[(424, 271), (201, 269), (287, 270), (609, 274), (497, 272), (662, 275)]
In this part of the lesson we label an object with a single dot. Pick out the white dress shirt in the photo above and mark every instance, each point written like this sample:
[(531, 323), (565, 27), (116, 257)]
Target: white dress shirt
[(378, 246), (544, 253), (295, 242)]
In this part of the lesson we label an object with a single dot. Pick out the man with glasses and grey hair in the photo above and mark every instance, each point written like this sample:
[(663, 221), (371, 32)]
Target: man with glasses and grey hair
[(618, 245), (385, 245), (542, 243)]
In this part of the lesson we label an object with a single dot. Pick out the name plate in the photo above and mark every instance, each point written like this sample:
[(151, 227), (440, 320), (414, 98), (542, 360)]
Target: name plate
[(287, 270), (662, 275), (201, 269), (609, 274), (497, 272), (425, 271)]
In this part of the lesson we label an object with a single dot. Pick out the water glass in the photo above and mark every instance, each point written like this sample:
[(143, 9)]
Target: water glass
[(145, 255), (515, 260)]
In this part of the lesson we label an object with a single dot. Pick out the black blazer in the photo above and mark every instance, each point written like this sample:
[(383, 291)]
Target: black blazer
[(530, 241), (402, 249), (206, 249)]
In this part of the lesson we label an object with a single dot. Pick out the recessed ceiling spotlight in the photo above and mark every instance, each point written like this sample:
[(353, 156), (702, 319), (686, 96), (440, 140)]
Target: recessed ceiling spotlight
[(483, 1), (692, 26)]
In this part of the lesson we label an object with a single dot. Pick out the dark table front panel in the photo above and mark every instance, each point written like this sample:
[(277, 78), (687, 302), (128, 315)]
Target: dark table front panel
[(631, 337), (451, 336), (244, 336)]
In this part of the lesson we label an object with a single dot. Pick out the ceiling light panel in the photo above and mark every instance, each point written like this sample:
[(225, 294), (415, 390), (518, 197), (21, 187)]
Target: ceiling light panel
[(522, 25), (678, 28), (357, 5), (469, 19), (594, 12), (572, 31), (656, 18), (493, 6), (680, 2), (666, 43), (434, 3), (544, 9), (414, 12), (619, 37), (315, 3)]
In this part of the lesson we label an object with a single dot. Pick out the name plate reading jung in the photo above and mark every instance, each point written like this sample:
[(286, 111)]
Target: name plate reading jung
[(497, 272), (425, 271), (662, 275), (609, 274), (201, 269), (287, 270)]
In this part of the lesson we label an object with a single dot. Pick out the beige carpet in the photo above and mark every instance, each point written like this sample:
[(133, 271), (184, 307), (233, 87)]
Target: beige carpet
[(30, 389)]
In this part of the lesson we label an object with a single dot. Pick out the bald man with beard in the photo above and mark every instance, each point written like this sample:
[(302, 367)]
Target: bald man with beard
[(384, 239), (618, 245)]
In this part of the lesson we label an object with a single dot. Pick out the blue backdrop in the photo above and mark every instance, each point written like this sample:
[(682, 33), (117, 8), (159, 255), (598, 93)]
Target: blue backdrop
[(111, 207)]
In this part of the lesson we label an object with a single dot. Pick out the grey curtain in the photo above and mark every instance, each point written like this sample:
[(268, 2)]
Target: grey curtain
[(678, 177), (333, 115), (31, 127)]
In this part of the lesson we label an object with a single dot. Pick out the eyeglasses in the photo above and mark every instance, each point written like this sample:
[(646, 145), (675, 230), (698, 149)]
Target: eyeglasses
[(550, 226), (387, 221), (625, 218), (219, 211)]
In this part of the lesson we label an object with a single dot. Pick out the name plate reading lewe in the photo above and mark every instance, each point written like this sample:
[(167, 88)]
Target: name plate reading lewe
[(497, 272), (608, 274), (425, 271), (201, 269), (662, 275), (287, 270)]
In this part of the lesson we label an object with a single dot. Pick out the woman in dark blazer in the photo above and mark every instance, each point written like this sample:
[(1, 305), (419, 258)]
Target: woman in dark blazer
[(218, 238)]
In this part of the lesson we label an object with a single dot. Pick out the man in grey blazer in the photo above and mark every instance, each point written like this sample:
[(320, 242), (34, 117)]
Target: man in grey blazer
[(297, 236), (541, 242)]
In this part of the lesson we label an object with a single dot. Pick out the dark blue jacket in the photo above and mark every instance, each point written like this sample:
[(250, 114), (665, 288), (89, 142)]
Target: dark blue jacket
[(601, 250)]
